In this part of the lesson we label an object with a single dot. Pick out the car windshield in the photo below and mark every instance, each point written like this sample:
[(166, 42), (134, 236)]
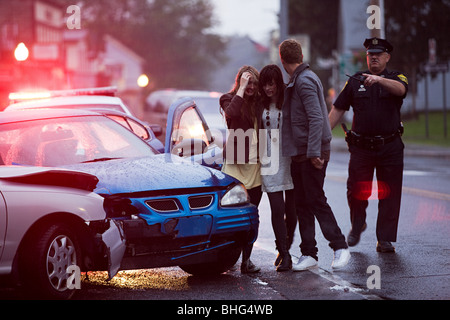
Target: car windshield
[(64, 141)]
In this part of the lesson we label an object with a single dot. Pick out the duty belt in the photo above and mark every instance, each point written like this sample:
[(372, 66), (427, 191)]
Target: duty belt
[(369, 142)]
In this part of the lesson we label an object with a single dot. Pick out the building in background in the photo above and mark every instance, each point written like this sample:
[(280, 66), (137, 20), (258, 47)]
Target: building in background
[(240, 51), (62, 58), (38, 25), (111, 64), (350, 55), (121, 67)]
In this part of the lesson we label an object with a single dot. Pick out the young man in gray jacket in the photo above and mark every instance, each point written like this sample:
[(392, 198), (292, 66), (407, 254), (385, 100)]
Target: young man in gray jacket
[(306, 137)]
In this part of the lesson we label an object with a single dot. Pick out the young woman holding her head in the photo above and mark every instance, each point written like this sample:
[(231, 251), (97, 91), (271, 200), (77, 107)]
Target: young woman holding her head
[(242, 110)]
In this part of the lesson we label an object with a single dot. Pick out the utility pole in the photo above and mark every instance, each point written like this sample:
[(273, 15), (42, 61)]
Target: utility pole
[(284, 20), (378, 32)]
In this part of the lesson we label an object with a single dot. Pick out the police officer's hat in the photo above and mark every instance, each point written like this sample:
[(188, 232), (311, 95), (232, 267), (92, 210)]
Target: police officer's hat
[(377, 45)]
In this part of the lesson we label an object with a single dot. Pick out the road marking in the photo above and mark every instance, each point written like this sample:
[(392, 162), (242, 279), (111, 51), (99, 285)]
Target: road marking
[(339, 283), (407, 190), (427, 194)]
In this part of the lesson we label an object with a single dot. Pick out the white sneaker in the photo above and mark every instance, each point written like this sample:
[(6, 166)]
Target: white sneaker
[(341, 258), (304, 263)]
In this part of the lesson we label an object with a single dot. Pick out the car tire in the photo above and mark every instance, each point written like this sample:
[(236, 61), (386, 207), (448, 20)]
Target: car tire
[(227, 259), (44, 262)]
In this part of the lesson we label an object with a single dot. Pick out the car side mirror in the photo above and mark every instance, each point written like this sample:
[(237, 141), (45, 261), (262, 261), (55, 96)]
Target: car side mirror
[(189, 147)]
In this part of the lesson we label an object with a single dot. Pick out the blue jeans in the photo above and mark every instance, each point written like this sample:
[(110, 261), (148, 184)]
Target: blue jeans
[(311, 203)]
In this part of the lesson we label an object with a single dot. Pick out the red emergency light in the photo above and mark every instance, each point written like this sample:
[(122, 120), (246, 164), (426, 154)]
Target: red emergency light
[(31, 95), (368, 190)]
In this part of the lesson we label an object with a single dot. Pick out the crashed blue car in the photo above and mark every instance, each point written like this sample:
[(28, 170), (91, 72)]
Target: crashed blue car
[(172, 210)]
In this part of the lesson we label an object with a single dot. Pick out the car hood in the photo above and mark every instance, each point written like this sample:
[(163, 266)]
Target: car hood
[(155, 173), (49, 177)]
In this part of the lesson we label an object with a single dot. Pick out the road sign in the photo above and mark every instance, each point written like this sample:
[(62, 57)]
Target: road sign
[(431, 51), (435, 68)]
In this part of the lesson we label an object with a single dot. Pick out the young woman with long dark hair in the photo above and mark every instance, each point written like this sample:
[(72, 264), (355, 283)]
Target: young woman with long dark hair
[(279, 185)]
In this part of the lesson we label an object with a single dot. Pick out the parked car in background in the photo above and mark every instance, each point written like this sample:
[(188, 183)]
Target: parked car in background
[(206, 101), (51, 220), (99, 99), (174, 212)]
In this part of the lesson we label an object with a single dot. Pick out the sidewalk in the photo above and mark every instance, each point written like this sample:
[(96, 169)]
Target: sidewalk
[(411, 149)]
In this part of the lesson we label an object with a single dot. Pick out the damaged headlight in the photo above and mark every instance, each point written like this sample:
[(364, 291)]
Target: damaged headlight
[(116, 207), (234, 196)]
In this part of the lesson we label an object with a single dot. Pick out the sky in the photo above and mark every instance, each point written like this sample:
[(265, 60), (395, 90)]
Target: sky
[(255, 18)]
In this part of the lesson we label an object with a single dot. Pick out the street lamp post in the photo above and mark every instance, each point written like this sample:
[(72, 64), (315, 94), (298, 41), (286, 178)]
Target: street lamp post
[(21, 52), (142, 81)]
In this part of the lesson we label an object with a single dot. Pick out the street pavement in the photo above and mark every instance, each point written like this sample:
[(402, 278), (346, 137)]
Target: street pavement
[(411, 149)]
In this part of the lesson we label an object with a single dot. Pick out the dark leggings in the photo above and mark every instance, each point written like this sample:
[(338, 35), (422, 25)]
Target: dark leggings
[(255, 195), (284, 217)]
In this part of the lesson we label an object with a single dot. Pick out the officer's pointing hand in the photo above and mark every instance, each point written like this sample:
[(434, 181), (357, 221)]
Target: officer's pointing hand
[(371, 79)]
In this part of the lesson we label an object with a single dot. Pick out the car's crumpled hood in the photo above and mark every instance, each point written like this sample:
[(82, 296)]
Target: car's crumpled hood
[(49, 177), (159, 172)]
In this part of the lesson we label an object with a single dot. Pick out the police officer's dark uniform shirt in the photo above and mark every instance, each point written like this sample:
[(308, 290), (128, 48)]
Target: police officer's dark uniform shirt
[(376, 111)]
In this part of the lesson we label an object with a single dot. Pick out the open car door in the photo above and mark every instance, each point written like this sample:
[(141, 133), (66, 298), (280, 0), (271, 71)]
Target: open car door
[(2, 223), (188, 135)]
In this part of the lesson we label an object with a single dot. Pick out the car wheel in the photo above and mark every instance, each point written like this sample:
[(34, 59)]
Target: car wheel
[(46, 259), (227, 259)]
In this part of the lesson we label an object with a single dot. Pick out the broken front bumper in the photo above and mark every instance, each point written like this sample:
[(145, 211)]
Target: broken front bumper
[(170, 241), (115, 244)]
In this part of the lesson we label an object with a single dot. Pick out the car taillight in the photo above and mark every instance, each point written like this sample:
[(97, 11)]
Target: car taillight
[(117, 207)]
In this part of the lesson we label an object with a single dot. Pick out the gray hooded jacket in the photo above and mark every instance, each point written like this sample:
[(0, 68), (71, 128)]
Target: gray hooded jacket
[(306, 128)]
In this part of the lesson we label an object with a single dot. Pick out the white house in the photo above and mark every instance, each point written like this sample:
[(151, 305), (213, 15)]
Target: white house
[(116, 65)]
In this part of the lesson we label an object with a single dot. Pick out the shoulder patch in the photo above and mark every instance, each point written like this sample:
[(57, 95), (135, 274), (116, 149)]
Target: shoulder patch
[(403, 78), (346, 83)]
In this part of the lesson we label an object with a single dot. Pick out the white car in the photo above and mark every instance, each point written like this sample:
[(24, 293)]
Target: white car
[(102, 100), (90, 98), (50, 220)]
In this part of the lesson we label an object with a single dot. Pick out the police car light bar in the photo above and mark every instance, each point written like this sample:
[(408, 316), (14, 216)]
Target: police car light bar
[(102, 91)]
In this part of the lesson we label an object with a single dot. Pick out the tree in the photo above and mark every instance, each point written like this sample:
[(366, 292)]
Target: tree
[(171, 35), (318, 19), (409, 26)]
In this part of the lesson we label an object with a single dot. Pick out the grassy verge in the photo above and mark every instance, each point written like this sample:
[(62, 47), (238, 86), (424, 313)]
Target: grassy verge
[(415, 130)]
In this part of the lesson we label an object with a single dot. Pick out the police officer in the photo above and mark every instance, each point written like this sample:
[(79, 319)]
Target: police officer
[(376, 96)]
